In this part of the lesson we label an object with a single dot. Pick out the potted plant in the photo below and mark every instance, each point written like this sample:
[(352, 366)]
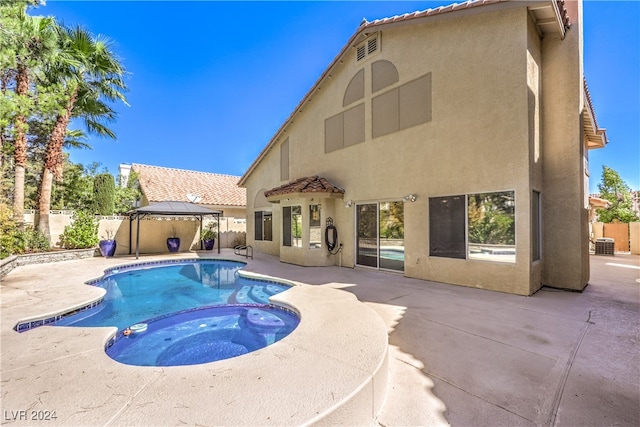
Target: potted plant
[(208, 236), (173, 242), (108, 244)]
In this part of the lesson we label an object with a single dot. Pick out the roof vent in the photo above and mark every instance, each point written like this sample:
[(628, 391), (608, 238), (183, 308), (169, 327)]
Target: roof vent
[(372, 45), (361, 52), (368, 47)]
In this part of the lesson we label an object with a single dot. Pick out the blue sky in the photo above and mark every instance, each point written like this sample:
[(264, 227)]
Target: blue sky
[(211, 82)]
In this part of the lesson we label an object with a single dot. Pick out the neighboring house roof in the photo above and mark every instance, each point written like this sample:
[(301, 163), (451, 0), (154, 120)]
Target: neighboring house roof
[(550, 16), (161, 184), (597, 202), (312, 185)]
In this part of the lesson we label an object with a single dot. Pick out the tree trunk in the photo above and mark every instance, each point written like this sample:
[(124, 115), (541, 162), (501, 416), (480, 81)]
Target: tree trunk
[(44, 205), (18, 195), (20, 154), (53, 159)]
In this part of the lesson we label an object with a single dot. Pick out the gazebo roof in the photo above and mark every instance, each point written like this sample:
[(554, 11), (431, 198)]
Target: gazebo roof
[(174, 208), (169, 209)]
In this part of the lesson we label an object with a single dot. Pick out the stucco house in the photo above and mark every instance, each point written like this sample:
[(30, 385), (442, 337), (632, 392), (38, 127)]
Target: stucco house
[(448, 145)]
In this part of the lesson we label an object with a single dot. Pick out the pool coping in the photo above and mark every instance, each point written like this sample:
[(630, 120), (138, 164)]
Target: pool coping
[(31, 322), (335, 363)]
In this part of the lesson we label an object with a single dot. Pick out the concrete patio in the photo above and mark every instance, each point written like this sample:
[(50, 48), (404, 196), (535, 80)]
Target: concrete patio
[(458, 356)]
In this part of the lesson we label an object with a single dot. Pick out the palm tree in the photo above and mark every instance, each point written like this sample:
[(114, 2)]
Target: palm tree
[(30, 41), (91, 76)]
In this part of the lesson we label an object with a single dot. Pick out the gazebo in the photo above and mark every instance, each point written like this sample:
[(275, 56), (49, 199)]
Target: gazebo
[(170, 209)]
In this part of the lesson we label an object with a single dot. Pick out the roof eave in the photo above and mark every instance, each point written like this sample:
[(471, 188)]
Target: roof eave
[(548, 17), (277, 198), (595, 136), (546, 14), (598, 202)]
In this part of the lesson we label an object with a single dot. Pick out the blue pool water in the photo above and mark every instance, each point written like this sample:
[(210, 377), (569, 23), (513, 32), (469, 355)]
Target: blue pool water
[(135, 295), (185, 313), (202, 335), (392, 253)]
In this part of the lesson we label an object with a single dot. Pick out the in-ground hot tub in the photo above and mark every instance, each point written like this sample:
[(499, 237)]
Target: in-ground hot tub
[(202, 335)]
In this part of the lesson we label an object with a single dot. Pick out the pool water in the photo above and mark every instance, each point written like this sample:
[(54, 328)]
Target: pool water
[(135, 295), (204, 335)]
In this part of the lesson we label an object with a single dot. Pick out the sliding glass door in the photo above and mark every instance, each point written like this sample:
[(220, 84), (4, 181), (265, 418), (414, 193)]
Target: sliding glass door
[(367, 236), (380, 235)]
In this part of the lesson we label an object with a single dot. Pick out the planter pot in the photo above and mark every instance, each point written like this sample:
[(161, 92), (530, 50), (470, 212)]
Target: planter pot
[(209, 244), (173, 244), (107, 247)]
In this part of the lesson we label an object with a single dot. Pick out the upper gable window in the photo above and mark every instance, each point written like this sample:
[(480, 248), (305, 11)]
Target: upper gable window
[(368, 47), (355, 89), (383, 74), (284, 160)]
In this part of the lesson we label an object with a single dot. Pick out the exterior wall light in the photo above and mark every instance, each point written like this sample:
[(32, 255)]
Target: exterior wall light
[(348, 204), (409, 198)]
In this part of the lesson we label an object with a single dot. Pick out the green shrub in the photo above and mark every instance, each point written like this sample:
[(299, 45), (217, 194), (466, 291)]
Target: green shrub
[(81, 233), (104, 193), (33, 240), (8, 232), (14, 241), (240, 239)]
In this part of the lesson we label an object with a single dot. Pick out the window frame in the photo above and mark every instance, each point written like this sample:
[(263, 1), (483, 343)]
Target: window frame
[(315, 224), (457, 233), (259, 224), (288, 216)]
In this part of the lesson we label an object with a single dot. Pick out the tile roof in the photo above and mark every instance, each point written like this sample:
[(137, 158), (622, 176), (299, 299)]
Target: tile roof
[(167, 184), (430, 12), (308, 185), (454, 8)]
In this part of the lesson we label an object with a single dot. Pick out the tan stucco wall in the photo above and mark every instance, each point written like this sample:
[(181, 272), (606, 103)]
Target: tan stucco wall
[(233, 219), (57, 223), (634, 237), (597, 229), (305, 255), (534, 92), (565, 215), (484, 91), (153, 232)]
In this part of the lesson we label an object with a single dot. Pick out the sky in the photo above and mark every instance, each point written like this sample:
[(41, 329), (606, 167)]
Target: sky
[(210, 82)]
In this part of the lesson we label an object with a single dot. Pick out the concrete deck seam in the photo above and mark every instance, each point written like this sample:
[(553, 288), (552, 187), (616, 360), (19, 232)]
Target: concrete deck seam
[(565, 373), (130, 401), (93, 350), (432, 375)]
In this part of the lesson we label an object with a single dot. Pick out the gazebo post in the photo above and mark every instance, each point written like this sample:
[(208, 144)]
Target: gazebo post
[(201, 218), (218, 219), (138, 236)]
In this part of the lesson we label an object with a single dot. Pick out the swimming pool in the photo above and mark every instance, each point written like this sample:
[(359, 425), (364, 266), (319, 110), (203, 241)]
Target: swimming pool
[(184, 313), (137, 293)]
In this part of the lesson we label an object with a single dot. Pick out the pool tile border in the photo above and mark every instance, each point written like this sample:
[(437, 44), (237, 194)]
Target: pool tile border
[(46, 320), (31, 324)]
